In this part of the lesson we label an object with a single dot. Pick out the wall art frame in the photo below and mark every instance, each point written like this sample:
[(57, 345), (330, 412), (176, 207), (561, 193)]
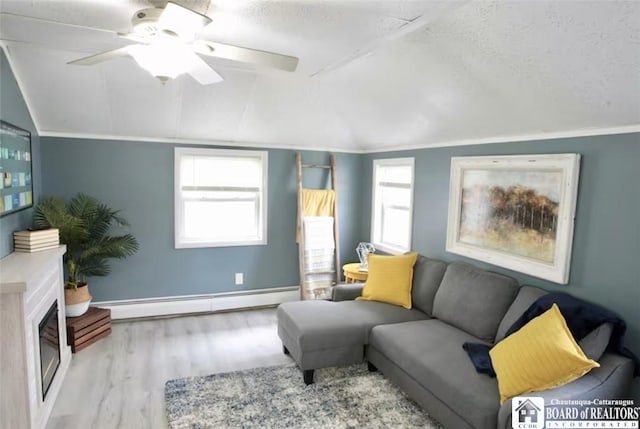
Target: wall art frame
[(16, 172), (515, 211)]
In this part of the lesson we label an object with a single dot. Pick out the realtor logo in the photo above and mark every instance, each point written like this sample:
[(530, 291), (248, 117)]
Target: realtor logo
[(527, 412)]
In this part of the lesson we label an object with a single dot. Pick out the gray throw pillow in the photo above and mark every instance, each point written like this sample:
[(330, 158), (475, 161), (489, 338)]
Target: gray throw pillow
[(595, 342)]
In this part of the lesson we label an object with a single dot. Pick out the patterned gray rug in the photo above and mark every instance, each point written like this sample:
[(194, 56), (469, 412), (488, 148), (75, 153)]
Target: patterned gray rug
[(276, 397)]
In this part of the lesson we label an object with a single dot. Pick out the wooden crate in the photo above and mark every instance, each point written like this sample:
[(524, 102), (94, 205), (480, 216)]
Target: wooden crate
[(87, 329)]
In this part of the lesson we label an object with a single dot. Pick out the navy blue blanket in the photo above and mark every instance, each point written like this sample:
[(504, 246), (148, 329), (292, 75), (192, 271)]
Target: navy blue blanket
[(581, 316)]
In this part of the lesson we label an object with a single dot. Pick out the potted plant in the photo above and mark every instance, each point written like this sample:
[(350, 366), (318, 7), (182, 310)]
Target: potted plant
[(84, 224)]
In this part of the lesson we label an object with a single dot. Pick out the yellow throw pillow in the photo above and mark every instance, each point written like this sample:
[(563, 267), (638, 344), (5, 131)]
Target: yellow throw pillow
[(541, 355), (390, 279)]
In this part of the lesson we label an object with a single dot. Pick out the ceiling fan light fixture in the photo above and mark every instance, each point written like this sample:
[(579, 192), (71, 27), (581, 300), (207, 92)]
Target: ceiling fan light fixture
[(182, 22), (161, 60), (145, 22)]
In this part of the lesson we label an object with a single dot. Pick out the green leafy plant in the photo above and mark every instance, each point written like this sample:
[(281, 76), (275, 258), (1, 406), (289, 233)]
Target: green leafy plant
[(84, 224)]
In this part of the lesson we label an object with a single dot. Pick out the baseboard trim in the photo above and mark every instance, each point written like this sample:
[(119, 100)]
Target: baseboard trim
[(175, 305)]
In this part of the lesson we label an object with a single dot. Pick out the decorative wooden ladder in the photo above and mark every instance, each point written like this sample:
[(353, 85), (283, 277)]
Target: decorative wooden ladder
[(301, 241)]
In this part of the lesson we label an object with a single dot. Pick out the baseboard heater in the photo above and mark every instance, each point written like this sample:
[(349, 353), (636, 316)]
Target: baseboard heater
[(173, 305)]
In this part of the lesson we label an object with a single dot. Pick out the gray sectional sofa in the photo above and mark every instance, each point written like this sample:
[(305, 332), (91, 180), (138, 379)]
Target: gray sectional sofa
[(420, 350)]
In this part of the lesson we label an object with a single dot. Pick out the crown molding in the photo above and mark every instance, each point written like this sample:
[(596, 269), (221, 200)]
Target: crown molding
[(589, 132), (199, 142)]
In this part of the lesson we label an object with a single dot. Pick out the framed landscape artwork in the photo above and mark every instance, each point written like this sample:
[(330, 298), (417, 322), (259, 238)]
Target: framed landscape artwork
[(516, 212), (16, 189)]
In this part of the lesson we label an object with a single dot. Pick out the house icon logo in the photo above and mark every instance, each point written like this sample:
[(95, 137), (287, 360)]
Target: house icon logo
[(527, 412)]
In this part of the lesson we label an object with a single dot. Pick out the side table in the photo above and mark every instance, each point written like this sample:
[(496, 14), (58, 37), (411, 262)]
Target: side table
[(88, 328), (352, 273)]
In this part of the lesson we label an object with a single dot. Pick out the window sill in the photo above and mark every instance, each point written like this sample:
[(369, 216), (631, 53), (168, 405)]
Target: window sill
[(390, 249), (198, 244)]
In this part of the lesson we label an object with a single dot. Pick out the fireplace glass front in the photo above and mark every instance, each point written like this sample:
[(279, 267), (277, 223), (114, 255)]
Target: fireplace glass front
[(49, 347)]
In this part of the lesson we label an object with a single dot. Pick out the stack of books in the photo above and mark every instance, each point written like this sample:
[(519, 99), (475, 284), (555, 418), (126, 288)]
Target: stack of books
[(36, 240)]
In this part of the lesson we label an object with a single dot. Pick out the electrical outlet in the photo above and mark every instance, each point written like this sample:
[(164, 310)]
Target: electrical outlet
[(239, 278)]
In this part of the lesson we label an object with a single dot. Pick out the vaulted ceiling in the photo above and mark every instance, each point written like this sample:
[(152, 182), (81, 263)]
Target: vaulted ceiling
[(372, 75)]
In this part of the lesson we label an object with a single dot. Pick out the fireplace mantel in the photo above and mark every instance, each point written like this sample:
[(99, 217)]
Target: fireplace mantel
[(29, 284)]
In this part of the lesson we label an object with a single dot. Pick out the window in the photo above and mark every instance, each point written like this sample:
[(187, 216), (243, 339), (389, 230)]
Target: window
[(220, 197), (392, 206)]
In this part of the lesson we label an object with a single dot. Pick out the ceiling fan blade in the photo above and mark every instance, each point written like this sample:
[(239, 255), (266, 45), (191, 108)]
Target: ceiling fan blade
[(181, 22), (201, 71), (102, 56), (134, 37), (245, 55)]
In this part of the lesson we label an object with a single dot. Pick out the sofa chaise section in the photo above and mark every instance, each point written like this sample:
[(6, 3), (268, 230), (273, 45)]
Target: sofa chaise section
[(319, 334)]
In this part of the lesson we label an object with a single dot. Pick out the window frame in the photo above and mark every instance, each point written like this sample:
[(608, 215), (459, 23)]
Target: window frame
[(179, 241), (376, 239)]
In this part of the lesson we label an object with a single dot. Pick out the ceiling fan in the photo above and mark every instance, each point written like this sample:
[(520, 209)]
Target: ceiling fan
[(167, 46)]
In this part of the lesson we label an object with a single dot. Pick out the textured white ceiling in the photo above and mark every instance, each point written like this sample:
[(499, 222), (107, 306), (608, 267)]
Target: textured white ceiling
[(373, 75)]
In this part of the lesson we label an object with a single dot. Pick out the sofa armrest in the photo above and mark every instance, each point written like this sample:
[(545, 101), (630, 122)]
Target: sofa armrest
[(611, 380), (347, 292)]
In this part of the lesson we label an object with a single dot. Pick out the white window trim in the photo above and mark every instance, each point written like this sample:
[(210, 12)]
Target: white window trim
[(394, 250), (178, 214)]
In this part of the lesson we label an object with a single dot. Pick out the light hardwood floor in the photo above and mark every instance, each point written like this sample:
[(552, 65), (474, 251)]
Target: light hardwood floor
[(118, 382)]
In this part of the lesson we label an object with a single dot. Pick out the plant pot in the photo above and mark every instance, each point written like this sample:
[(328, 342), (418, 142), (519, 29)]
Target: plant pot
[(76, 301)]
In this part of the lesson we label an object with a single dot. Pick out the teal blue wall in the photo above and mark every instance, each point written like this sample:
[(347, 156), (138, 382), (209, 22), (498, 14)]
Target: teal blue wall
[(606, 248), (137, 177), (13, 109)]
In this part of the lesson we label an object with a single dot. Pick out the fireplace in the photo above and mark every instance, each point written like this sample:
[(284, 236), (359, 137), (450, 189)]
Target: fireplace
[(49, 347), (32, 322)]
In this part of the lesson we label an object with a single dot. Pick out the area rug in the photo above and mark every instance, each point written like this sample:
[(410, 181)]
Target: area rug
[(276, 397)]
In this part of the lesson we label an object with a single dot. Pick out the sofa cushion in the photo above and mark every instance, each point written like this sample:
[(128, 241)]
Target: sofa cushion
[(318, 325), (427, 276), (431, 352), (371, 313), (527, 295), (595, 342), (539, 356), (390, 279), (474, 300)]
